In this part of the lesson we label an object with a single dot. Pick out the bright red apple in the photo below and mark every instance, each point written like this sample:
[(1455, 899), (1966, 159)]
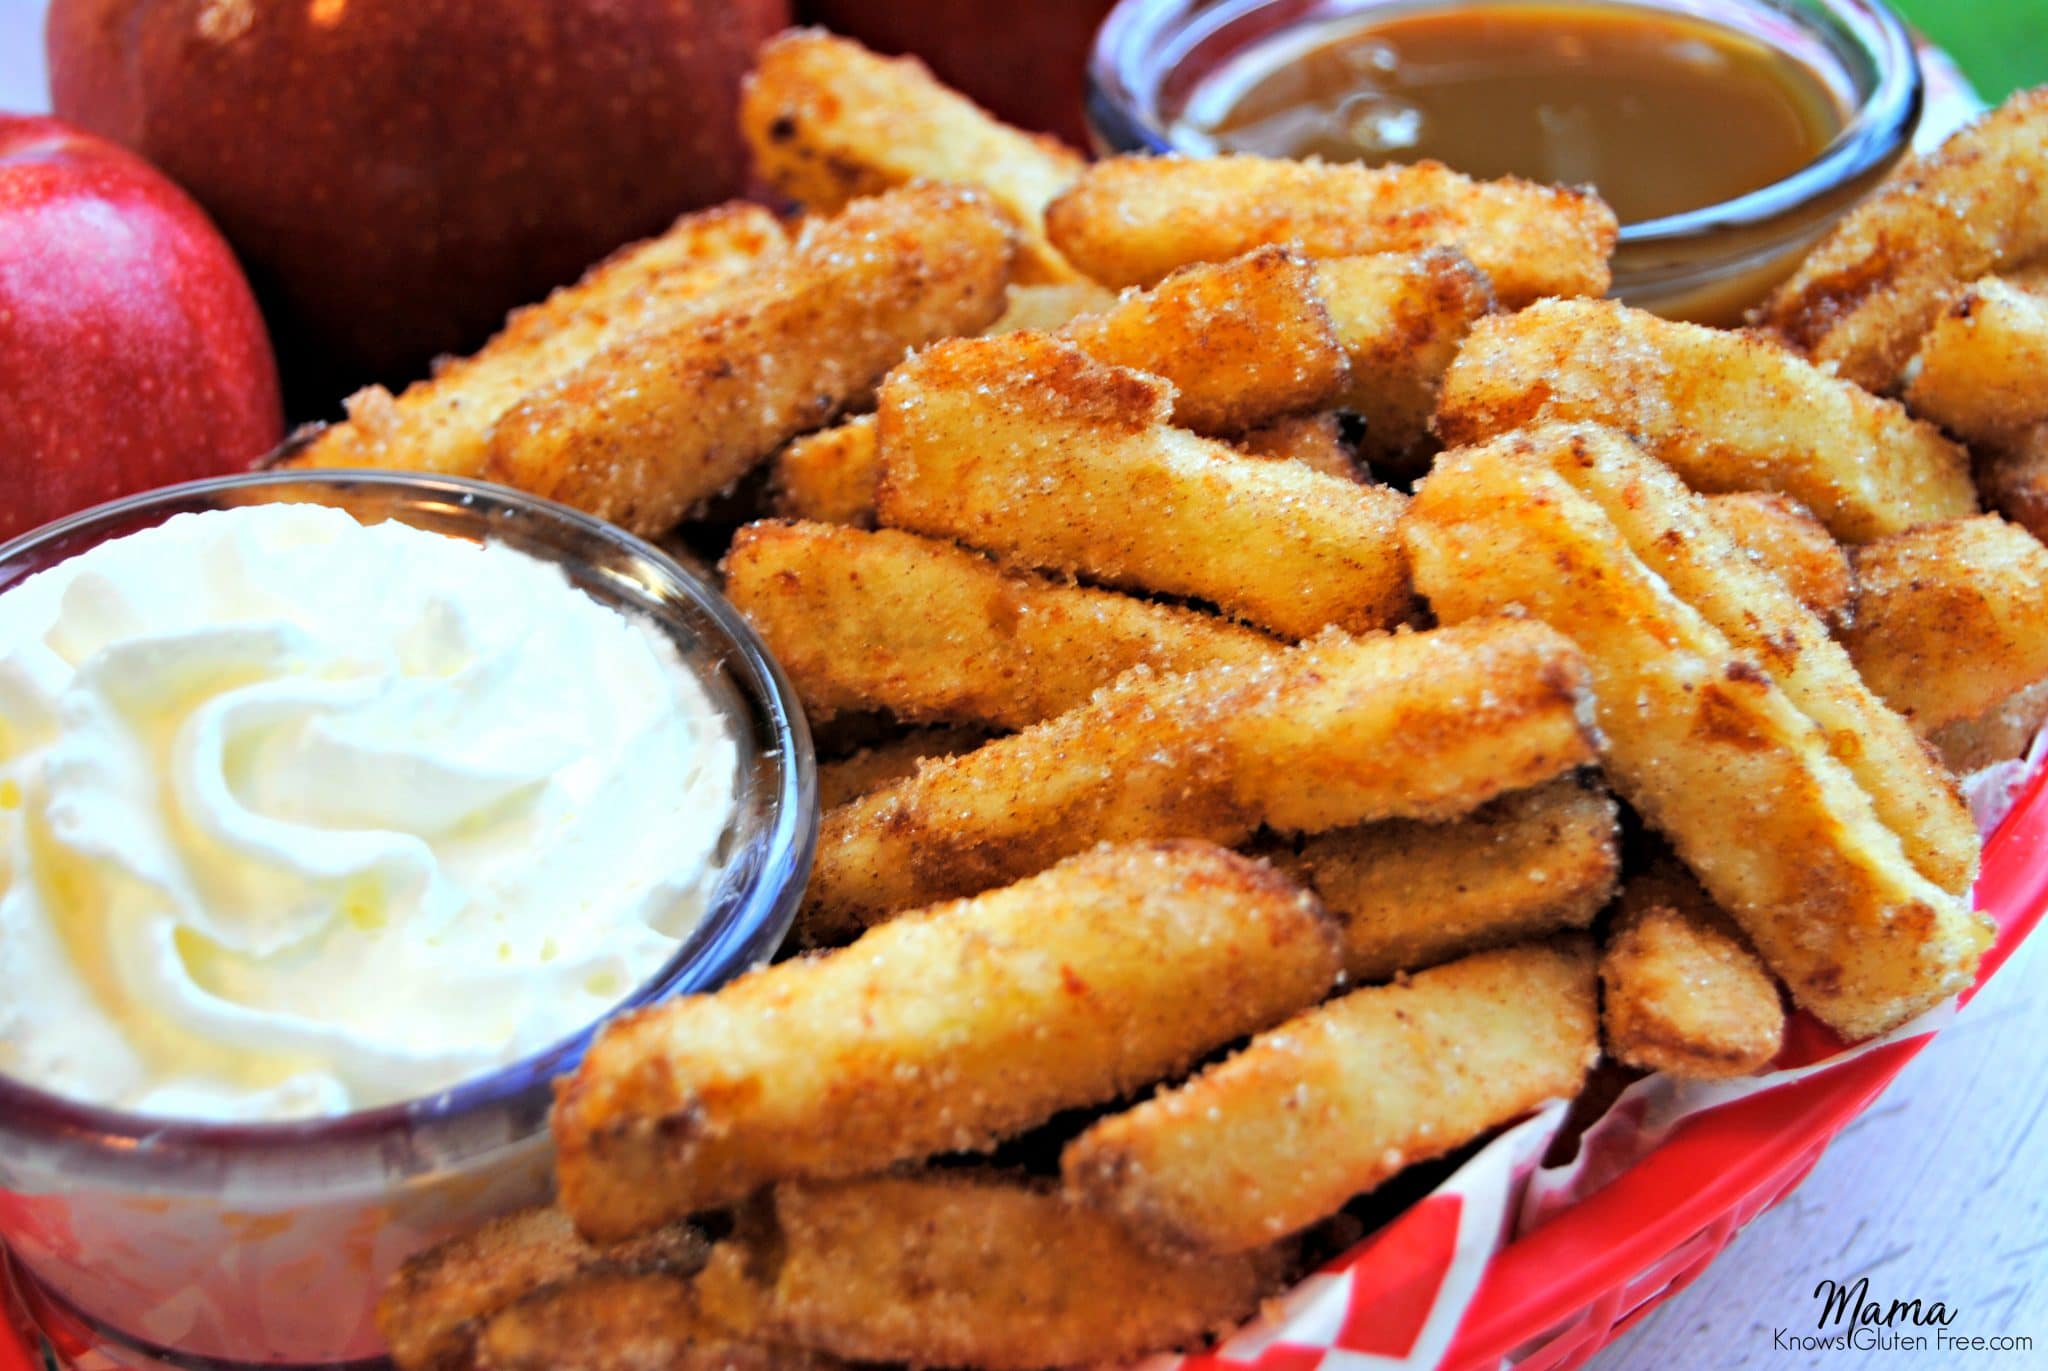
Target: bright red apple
[(132, 354)]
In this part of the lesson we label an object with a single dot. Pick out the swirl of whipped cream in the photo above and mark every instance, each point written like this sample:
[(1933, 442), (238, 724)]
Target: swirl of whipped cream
[(299, 816)]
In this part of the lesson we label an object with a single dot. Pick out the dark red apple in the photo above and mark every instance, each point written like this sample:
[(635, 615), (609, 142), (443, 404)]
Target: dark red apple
[(132, 354), (397, 174)]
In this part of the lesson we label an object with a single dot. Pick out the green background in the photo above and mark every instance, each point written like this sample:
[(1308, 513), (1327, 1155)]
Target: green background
[(2000, 44)]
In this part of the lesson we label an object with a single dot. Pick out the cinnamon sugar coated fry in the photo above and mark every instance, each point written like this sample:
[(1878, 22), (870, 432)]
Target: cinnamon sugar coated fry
[(932, 633), (624, 1322), (1314, 440), (1683, 991), (1783, 537), (941, 1031), (883, 764), (828, 121), (1340, 1098), (1979, 371), (1409, 894), (1339, 732), (676, 414), (1702, 744), (830, 475), (1726, 411), (1131, 220), (1025, 447), (963, 1268), (1863, 298)]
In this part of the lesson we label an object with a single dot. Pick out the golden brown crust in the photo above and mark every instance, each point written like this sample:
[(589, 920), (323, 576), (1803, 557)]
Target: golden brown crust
[(443, 424), (885, 763), (945, 1030), (1782, 536), (935, 634), (438, 1301), (677, 413), (1047, 307), (1671, 531), (2000, 734), (828, 121), (1683, 991), (1131, 220), (1702, 744), (1727, 411), (1243, 342), (1340, 1098), (1979, 203), (2013, 474), (1982, 370), (966, 1269), (624, 1322), (1314, 440), (1953, 618), (1409, 895), (1027, 448), (1340, 732), (829, 476)]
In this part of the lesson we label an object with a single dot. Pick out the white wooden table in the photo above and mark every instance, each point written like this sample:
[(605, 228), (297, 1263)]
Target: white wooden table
[(1939, 1191)]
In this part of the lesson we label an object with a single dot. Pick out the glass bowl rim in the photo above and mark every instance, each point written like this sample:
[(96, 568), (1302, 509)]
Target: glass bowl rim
[(791, 832), (1879, 129)]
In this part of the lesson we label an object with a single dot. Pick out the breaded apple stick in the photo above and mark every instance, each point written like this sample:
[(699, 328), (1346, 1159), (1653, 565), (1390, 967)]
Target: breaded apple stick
[(1025, 447), (1979, 203), (1342, 1097), (2001, 733), (1784, 537), (1046, 307), (1409, 895), (829, 476), (1315, 440), (1128, 221), (438, 1301), (1243, 342), (443, 424), (932, 633), (624, 1322), (966, 1268), (1726, 411), (1702, 744), (1982, 370), (1340, 732), (676, 414), (885, 763), (1401, 318), (1683, 991), (943, 1031), (829, 121), (2013, 474), (1671, 531), (1952, 619)]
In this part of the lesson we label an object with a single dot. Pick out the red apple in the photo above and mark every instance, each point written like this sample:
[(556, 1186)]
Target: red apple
[(397, 174), (132, 354)]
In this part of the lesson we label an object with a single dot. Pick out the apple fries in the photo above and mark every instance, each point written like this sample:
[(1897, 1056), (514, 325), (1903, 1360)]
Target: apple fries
[(1128, 221), (1409, 894), (1674, 535), (829, 121), (1786, 540), (1726, 411), (1702, 742), (965, 1268), (444, 424), (1314, 440), (1046, 307), (945, 1030), (1340, 1098), (623, 1322), (829, 476), (1683, 992), (1982, 370), (1025, 447), (1978, 204), (1339, 732), (676, 414), (438, 1302), (932, 633), (1952, 619), (871, 768)]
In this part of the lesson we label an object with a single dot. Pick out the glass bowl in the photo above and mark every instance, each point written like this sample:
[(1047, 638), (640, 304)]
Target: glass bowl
[(1709, 264), (215, 1245)]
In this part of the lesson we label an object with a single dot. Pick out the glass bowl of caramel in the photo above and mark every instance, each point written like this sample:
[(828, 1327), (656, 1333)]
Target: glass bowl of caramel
[(134, 1238), (1727, 134)]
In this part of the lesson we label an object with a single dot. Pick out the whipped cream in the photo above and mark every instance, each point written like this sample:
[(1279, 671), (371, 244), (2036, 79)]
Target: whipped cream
[(299, 816)]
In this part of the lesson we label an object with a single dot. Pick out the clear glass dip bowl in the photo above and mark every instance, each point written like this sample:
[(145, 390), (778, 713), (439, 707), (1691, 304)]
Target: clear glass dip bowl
[(164, 1242), (1708, 264)]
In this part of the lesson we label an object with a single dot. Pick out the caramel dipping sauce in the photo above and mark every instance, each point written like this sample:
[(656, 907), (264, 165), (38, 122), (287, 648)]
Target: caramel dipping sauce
[(1727, 134), (1663, 112)]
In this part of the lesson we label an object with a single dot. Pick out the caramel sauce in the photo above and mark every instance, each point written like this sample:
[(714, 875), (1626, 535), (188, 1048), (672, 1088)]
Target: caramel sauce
[(1663, 113)]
